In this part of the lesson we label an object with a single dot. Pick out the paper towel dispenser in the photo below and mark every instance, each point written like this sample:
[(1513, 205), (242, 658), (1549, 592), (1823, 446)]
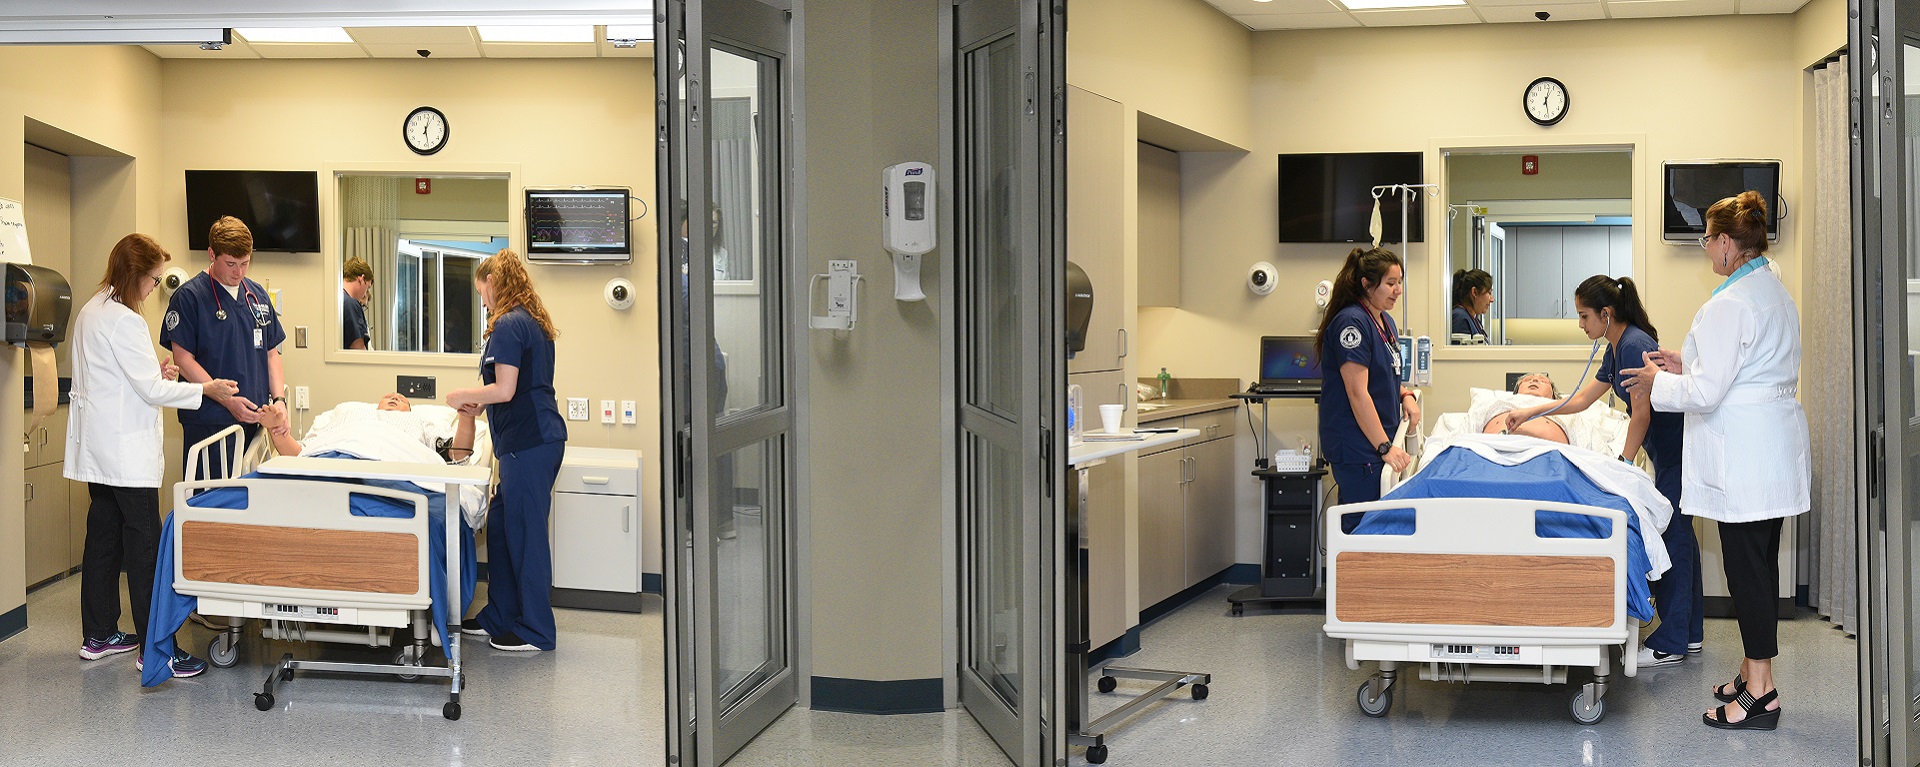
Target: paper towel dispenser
[(39, 304), (1079, 308)]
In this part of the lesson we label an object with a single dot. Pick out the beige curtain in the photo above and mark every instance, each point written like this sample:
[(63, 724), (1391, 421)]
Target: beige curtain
[(369, 210), (1827, 344)]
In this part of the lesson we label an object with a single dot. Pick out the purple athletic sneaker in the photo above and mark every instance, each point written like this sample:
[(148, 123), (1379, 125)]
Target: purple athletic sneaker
[(183, 665), (118, 642)]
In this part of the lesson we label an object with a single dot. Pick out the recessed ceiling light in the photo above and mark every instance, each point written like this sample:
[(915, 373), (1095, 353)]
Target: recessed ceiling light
[(295, 35), (1376, 5), (536, 34), (642, 32)]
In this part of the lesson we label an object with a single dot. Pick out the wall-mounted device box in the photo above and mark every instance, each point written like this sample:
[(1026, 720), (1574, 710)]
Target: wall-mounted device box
[(415, 387)]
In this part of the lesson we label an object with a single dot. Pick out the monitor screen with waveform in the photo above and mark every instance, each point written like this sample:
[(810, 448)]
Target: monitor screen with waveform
[(578, 224)]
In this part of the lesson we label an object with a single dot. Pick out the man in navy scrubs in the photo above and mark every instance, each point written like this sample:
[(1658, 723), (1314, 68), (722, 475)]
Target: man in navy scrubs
[(356, 281), (222, 325)]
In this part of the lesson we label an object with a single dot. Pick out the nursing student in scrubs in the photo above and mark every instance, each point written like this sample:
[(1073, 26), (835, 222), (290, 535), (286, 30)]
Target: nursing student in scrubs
[(1610, 308), (529, 439), (222, 325), (1361, 399), (1472, 297)]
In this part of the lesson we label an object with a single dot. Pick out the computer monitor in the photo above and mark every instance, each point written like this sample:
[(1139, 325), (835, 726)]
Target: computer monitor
[(1288, 361)]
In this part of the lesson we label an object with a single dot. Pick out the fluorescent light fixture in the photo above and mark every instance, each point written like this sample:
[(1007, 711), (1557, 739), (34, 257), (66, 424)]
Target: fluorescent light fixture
[(295, 35), (114, 36), (641, 32), (537, 34), (1380, 5)]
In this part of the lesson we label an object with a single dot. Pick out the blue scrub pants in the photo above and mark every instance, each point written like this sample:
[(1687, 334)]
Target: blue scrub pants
[(1358, 483), (192, 433), (519, 552), (1678, 595)]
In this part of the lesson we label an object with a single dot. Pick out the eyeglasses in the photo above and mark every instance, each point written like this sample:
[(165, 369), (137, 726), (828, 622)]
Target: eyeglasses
[(156, 280), (1709, 238)]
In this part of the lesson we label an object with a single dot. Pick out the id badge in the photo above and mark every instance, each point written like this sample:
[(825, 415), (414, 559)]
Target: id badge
[(259, 338)]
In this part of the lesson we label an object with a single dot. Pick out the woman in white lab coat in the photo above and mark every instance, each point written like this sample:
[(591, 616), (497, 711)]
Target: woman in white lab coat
[(1745, 462), (114, 445)]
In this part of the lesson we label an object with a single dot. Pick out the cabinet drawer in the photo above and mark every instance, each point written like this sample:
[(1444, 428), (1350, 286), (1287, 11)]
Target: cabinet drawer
[(1213, 425), (597, 480), (1290, 494)]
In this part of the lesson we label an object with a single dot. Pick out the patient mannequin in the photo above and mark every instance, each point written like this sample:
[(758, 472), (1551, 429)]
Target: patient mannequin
[(456, 449), (1537, 385)]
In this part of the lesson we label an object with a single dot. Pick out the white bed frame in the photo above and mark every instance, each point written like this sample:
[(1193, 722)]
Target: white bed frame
[(1426, 598), (296, 556)]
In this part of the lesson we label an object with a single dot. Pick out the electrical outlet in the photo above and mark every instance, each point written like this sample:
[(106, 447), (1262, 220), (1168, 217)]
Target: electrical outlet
[(627, 413), (299, 336), (606, 411), (300, 398), (576, 408)]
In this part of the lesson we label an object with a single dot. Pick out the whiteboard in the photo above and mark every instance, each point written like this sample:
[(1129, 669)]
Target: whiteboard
[(13, 233)]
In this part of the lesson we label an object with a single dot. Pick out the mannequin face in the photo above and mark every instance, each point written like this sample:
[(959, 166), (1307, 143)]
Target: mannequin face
[(1536, 385), (1383, 296), (395, 402)]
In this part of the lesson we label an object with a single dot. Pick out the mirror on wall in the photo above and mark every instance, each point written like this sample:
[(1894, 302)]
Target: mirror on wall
[(422, 236), (1529, 226)]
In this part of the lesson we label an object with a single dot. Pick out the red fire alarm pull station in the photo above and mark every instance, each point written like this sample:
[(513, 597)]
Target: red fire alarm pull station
[(1529, 166), (425, 185)]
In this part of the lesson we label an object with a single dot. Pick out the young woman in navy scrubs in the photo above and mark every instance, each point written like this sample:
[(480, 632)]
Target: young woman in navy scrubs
[(1472, 297), (1611, 309), (529, 438), (1361, 398)]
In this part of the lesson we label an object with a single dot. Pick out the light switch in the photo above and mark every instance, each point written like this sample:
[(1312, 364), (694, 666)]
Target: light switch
[(299, 336)]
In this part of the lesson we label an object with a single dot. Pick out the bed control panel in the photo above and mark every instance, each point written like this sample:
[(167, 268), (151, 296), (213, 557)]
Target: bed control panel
[(302, 613), (1475, 652)]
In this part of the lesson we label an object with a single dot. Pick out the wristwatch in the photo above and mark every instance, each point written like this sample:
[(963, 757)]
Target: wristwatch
[(1384, 448)]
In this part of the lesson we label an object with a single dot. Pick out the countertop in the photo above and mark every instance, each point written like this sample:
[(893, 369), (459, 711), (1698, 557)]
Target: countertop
[(1092, 451), (1162, 409)]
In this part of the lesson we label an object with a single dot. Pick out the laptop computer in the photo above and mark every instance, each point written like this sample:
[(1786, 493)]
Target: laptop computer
[(1288, 366)]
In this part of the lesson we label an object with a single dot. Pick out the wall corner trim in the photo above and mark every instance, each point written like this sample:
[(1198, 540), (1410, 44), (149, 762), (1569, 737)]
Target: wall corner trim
[(13, 622)]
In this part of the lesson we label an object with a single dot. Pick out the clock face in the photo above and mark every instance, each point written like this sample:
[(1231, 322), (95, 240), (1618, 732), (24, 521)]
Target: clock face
[(425, 130), (1545, 101)]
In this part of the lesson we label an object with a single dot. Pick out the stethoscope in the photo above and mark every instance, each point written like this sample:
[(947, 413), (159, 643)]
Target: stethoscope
[(260, 318), (1591, 356)]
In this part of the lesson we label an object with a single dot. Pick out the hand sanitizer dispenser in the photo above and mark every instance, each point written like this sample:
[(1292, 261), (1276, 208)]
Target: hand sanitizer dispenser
[(908, 224)]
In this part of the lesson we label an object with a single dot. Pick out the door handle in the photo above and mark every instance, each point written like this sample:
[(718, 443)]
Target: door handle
[(1124, 338), (626, 519), (595, 480), (29, 492), (1121, 389)]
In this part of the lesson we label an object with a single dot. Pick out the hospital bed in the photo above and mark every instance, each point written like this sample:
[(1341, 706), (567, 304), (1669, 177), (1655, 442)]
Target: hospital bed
[(315, 545), (1470, 588)]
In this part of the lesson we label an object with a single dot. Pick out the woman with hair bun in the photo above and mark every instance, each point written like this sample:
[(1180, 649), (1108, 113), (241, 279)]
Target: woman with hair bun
[(1745, 463), (1361, 398), (1472, 297)]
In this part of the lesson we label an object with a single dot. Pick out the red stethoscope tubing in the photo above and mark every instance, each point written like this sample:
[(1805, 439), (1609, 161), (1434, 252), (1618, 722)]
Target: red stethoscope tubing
[(220, 312)]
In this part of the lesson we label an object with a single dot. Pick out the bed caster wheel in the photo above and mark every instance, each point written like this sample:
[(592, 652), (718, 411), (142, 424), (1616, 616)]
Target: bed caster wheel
[(223, 652), (286, 675), (1200, 691), (1106, 684), (263, 701), (1096, 754), (1587, 714), (451, 711), (405, 658), (1378, 707), (1239, 610)]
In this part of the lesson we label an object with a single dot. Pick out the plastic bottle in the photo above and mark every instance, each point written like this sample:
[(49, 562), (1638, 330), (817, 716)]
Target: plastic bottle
[(1164, 378), (1073, 414)]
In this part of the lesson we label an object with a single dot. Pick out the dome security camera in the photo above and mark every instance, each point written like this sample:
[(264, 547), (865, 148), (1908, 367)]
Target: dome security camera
[(1542, 15), (618, 294), (174, 278), (1262, 277), (424, 53)]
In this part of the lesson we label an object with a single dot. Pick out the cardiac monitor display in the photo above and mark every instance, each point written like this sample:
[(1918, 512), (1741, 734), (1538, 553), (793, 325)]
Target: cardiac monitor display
[(577, 221)]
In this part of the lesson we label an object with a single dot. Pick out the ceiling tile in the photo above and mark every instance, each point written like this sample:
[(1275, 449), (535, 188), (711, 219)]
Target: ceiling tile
[(238, 49), (538, 50), (1278, 7), (469, 50), (1515, 13), (1640, 9), (417, 37), (1413, 17), (1269, 21), (310, 50), (1771, 6)]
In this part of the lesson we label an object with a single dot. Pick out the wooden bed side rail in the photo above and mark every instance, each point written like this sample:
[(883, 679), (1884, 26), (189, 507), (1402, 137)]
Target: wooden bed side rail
[(298, 541), (1476, 562)]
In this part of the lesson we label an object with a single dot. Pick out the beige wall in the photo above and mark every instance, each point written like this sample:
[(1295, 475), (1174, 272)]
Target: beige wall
[(877, 507), (110, 97), (346, 113), (1178, 60), (1819, 29)]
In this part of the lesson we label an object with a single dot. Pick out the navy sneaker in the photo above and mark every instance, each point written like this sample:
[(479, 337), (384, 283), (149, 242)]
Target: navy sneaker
[(183, 665), (511, 643), (118, 642), (471, 627)]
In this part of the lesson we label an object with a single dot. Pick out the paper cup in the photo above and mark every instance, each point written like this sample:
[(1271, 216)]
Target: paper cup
[(1110, 417)]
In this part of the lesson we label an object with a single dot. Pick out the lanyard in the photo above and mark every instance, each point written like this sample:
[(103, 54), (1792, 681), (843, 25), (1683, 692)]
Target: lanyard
[(1381, 325), (220, 312), (1745, 269)]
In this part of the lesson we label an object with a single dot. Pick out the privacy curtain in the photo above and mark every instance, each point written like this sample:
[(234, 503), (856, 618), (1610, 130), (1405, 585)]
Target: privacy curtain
[(369, 209), (1828, 356)]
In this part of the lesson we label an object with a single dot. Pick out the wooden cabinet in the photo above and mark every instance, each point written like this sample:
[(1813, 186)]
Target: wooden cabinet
[(1187, 507), (1209, 532), (47, 524), (1548, 262), (1106, 517), (1163, 525), (1096, 160), (1159, 229)]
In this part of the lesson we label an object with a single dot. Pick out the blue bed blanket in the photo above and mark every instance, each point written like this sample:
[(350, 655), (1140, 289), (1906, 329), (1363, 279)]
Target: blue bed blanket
[(170, 607), (1462, 473)]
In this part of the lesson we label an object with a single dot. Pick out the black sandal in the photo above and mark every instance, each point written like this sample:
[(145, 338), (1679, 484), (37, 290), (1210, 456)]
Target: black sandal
[(1758, 717), (1739, 686)]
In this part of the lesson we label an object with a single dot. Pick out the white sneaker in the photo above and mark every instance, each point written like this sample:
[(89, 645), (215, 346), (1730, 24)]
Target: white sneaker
[(1650, 658), (1693, 648)]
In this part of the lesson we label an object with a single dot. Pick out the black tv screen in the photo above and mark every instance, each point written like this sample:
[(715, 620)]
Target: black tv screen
[(281, 207), (1692, 187), (1329, 197)]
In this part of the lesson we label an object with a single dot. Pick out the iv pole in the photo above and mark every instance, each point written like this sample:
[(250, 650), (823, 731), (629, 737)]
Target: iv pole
[(1408, 193)]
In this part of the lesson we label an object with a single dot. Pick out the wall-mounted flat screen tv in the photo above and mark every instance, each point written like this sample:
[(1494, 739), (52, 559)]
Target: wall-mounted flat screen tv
[(1329, 197), (578, 225), (281, 207), (1692, 187)]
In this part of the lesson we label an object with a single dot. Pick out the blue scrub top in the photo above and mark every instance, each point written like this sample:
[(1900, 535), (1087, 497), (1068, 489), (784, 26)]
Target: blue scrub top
[(531, 418), (1465, 322), (226, 348), (353, 321), (1664, 432), (1352, 336)]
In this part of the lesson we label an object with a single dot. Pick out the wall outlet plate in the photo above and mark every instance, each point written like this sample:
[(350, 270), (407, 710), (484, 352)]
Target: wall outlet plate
[(606, 411), (301, 399), (627, 412), (299, 336), (415, 387), (577, 409)]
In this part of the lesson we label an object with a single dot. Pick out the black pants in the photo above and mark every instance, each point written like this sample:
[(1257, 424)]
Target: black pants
[(1751, 553), (123, 531), (192, 433)]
